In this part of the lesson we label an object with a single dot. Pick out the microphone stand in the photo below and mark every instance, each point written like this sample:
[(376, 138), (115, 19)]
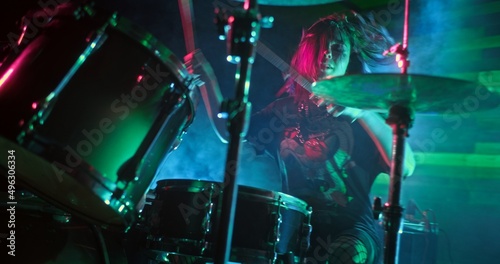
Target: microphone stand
[(243, 33)]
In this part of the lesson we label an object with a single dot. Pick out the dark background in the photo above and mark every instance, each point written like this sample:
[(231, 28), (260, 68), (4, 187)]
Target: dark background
[(457, 174)]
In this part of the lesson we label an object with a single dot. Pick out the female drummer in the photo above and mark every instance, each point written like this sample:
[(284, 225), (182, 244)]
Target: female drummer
[(332, 154)]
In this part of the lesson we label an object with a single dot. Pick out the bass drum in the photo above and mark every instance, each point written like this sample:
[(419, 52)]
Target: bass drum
[(90, 106)]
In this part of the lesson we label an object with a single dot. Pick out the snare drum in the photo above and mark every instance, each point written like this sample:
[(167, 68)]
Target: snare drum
[(270, 227), (91, 105), (182, 216)]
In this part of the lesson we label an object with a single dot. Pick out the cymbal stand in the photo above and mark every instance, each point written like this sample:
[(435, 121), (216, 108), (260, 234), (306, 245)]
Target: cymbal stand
[(400, 119), (242, 36)]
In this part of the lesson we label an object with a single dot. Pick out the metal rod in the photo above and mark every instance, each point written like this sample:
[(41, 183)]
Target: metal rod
[(393, 211), (230, 189), (400, 119), (404, 69), (186, 10), (243, 26)]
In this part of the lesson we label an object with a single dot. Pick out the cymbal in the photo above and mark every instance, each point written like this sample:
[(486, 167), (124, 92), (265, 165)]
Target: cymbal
[(293, 2), (422, 93)]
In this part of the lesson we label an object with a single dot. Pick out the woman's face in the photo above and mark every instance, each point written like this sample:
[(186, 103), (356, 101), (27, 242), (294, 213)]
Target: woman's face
[(336, 58)]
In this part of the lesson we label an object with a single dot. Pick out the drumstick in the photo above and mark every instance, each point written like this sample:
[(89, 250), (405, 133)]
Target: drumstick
[(196, 62), (186, 10)]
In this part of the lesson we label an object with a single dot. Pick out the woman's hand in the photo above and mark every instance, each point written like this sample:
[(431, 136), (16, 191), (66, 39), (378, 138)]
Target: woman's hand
[(337, 110)]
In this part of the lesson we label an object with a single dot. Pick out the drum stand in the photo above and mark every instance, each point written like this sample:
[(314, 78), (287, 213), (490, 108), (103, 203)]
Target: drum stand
[(243, 33), (400, 119)]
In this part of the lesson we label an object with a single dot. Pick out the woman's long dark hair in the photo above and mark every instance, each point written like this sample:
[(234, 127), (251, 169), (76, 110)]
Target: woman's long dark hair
[(368, 42)]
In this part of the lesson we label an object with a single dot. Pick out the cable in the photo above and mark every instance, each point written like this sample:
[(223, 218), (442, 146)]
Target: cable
[(101, 242), (448, 243)]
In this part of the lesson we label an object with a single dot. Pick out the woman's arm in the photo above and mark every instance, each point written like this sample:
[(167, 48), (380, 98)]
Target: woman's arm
[(378, 130), (381, 134)]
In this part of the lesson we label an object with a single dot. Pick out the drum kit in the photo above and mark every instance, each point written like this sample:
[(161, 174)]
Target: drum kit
[(85, 129)]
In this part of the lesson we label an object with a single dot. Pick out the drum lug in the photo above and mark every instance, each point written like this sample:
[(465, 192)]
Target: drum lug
[(193, 81), (207, 223), (277, 220), (305, 236)]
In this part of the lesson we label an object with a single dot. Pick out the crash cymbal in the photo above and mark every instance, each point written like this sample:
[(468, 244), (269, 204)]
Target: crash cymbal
[(424, 94), (293, 2)]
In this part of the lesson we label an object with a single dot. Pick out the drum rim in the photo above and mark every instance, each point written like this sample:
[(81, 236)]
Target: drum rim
[(187, 185), (285, 200), (151, 43), (163, 54)]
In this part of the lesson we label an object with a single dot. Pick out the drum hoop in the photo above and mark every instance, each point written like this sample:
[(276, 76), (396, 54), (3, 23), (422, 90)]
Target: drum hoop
[(182, 246), (164, 54), (33, 203), (156, 48), (287, 201), (259, 256), (187, 185)]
